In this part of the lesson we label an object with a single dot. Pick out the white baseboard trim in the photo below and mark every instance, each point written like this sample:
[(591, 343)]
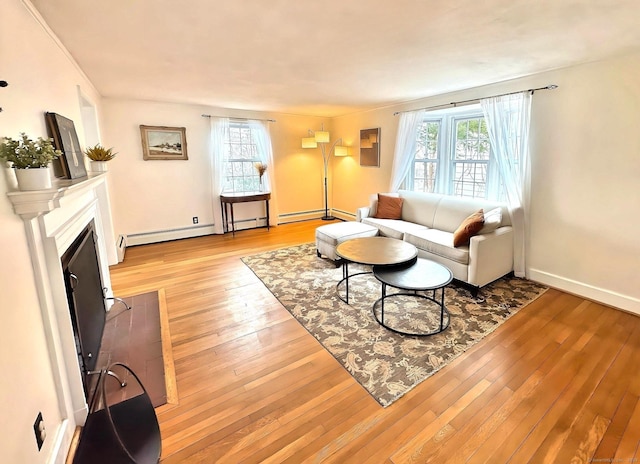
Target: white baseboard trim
[(315, 214), (62, 442), (145, 238), (601, 295), (344, 215), (300, 216), (166, 235)]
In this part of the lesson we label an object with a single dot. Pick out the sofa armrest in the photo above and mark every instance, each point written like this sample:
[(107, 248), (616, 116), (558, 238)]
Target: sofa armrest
[(362, 213), (490, 256)]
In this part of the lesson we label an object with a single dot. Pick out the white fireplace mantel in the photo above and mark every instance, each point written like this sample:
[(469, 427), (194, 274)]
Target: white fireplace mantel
[(53, 218)]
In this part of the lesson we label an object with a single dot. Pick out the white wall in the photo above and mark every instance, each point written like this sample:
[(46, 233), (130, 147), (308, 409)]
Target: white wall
[(585, 171), (41, 78), (159, 195)]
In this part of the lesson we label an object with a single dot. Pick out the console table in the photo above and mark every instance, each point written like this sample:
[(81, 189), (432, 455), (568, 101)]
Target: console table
[(229, 199)]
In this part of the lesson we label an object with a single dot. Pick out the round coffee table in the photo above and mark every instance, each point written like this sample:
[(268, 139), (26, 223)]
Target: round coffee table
[(422, 276), (376, 251)]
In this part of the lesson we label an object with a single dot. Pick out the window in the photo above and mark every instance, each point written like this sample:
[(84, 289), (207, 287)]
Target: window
[(452, 154), (425, 163), (240, 157), (471, 158)]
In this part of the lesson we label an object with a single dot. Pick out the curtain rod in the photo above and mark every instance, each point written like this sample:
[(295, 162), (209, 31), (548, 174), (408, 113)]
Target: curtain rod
[(238, 119), (476, 100)]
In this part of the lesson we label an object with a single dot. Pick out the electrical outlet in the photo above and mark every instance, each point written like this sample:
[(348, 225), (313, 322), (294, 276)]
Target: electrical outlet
[(195, 219), (38, 429)]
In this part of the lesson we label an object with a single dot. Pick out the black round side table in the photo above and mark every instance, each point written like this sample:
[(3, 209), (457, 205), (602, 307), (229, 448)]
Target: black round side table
[(422, 276)]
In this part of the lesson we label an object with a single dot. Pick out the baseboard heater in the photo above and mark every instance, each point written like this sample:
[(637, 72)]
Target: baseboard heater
[(121, 247), (169, 234)]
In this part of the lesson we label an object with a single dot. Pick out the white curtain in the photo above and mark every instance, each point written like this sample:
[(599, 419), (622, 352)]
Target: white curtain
[(262, 139), (405, 146), (219, 133), (508, 119)]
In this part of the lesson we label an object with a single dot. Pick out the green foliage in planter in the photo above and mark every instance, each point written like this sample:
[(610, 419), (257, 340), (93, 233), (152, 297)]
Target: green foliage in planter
[(100, 153), (26, 153)]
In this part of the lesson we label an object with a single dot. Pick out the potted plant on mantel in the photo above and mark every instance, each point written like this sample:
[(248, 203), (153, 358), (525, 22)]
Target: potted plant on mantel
[(99, 156), (30, 160)]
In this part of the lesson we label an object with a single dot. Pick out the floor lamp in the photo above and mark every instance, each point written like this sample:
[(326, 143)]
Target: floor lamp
[(322, 138)]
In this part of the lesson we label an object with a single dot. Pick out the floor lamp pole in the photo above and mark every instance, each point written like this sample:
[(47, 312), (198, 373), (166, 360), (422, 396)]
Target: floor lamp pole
[(325, 158)]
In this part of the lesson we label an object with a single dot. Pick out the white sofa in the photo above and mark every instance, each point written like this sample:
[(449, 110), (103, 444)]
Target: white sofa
[(429, 221)]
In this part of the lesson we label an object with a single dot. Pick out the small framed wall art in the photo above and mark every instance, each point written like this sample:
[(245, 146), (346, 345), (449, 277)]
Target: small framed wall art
[(370, 147), (163, 143), (63, 132)]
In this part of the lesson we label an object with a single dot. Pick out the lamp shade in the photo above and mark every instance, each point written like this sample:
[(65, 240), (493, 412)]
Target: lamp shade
[(341, 151), (309, 142), (322, 136)]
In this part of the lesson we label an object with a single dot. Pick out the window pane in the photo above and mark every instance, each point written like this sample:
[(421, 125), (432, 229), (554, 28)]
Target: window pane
[(246, 135), (427, 140), (470, 179), (234, 135), (472, 139), (235, 150), (424, 176)]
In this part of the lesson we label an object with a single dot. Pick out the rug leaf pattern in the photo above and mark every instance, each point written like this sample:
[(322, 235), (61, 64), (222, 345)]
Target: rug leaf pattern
[(386, 364)]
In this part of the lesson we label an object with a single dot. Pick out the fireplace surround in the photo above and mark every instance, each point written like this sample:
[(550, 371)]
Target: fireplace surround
[(53, 220)]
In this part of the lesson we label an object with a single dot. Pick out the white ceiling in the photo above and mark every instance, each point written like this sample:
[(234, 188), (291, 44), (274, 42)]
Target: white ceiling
[(329, 57)]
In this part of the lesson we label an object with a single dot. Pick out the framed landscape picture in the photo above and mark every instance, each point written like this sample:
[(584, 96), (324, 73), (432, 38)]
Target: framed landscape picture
[(163, 143), (63, 132)]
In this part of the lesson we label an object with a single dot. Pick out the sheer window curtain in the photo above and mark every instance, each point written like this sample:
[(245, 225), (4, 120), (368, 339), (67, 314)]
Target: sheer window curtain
[(405, 146), (508, 120), (262, 139), (219, 133)]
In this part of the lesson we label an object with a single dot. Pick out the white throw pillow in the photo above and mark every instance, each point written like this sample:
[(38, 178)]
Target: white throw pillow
[(492, 220)]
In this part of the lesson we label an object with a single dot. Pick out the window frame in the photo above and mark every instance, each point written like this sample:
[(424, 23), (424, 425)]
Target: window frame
[(229, 180), (445, 160), (454, 161)]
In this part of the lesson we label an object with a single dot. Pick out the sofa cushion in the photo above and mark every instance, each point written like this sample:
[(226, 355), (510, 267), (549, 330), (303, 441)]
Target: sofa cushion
[(470, 226), (393, 228), (451, 211), (421, 208), (373, 202), (389, 207), (439, 243), (492, 220), (338, 232)]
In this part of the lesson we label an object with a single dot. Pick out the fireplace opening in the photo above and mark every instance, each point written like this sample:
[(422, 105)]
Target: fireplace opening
[(85, 296)]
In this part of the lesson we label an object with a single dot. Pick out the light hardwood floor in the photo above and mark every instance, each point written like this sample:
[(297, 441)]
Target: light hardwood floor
[(557, 383)]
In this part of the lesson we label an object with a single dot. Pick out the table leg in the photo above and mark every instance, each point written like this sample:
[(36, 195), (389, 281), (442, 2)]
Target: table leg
[(233, 221), (441, 310), (267, 214), (223, 207), (384, 294), (345, 275)]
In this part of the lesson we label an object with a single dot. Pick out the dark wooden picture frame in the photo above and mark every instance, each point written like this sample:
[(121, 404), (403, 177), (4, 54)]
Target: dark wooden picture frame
[(370, 147), (63, 132), (164, 143)]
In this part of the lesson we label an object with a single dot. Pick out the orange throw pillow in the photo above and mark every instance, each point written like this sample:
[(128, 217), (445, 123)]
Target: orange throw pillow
[(469, 227), (389, 207)]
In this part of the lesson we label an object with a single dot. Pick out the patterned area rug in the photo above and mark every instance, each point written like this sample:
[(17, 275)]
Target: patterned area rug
[(386, 364)]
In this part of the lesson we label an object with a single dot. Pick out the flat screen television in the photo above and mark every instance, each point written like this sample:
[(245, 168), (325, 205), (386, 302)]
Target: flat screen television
[(86, 300)]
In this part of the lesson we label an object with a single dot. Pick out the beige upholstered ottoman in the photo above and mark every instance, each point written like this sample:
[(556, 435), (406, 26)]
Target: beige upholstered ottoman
[(329, 236)]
